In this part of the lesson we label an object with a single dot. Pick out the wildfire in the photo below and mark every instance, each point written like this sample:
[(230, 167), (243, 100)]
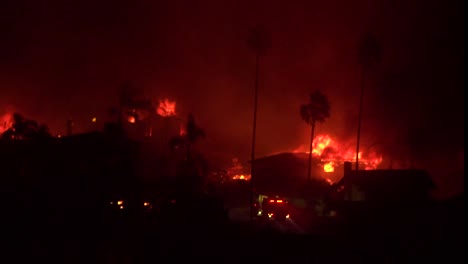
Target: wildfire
[(166, 108), (332, 154), (6, 122), (242, 177), (329, 167)]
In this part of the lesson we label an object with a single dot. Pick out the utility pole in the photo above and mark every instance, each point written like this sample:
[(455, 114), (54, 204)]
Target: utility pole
[(254, 133), (258, 41), (360, 117)]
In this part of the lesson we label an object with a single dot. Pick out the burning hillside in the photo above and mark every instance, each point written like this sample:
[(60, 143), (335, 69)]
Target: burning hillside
[(332, 154)]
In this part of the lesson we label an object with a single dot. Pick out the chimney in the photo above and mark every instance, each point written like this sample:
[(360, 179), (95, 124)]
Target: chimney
[(347, 168)]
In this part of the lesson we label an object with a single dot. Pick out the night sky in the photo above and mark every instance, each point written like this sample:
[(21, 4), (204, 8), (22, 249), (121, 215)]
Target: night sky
[(66, 59)]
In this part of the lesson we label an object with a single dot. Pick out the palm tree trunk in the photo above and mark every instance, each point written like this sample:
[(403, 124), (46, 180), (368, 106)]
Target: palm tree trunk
[(309, 170), (254, 132), (360, 117)]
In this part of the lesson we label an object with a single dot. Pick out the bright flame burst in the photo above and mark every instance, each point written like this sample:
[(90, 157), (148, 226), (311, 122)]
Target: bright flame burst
[(166, 108), (332, 154), (131, 119)]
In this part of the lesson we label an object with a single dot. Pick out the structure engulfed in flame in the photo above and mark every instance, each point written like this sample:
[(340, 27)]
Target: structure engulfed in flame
[(332, 154), (166, 108)]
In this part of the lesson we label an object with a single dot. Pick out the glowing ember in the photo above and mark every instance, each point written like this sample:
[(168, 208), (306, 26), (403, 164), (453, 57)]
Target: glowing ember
[(131, 119), (332, 154), (242, 177), (166, 108)]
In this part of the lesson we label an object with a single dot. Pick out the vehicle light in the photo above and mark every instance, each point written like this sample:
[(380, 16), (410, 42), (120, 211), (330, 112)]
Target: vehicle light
[(146, 204), (272, 201), (279, 201), (119, 202), (121, 207), (270, 215), (259, 213)]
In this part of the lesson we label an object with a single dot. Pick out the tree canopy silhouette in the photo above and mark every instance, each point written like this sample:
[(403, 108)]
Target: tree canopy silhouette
[(23, 128), (317, 109), (192, 134)]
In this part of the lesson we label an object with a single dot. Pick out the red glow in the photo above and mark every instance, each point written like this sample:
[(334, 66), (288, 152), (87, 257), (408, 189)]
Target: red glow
[(279, 201), (166, 108), (131, 119), (6, 122), (333, 154)]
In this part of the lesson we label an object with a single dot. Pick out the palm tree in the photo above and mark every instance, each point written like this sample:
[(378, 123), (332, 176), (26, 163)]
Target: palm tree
[(369, 54), (259, 41), (317, 109)]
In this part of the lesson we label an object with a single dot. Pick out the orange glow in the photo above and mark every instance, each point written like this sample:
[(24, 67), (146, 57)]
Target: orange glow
[(328, 167), (166, 108), (272, 201), (93, 120), (332, 154), (241, 177), (145, 204), (119, 202), (131, 119), (279, 201)]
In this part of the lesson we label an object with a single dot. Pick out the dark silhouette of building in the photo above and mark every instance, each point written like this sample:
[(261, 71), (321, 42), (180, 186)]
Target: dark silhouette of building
[(379, 190)]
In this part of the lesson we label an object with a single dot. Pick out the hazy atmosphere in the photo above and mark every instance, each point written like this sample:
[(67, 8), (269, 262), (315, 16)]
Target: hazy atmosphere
[(67, 60)]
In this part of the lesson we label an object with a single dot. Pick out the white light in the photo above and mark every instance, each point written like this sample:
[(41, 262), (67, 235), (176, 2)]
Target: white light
[(287, 216)]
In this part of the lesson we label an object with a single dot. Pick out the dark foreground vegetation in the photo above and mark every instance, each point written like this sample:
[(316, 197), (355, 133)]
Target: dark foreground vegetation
[(53, 230)]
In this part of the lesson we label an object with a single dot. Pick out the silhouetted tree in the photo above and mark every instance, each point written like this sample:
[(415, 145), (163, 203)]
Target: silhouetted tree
[(193, 168), (369, 54), (192, 134), (23, 128), (317, 109)]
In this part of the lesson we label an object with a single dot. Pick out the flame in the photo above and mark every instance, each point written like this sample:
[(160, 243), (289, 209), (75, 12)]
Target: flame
[(332, 154), (6, 122), (329, 167), (131, 119), (242, 177), (166, 108)]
